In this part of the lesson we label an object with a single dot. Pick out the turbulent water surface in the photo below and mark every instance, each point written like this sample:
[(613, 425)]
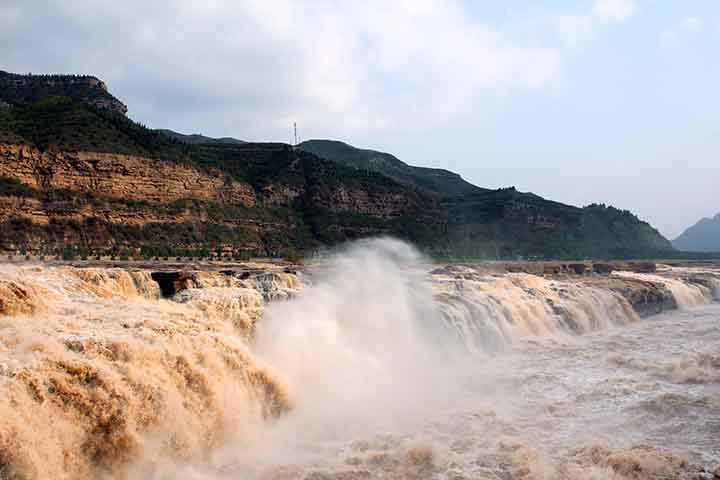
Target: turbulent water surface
[(374, 368)]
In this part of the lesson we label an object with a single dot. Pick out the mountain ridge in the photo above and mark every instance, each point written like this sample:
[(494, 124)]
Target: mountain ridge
[(473, 207), (74, 174), (195, 138), (435, 180), (704, 236)]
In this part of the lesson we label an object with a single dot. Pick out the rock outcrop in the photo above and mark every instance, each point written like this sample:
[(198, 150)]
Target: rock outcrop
[(26, 89), (127, 177), (53, 198), (646, 298)]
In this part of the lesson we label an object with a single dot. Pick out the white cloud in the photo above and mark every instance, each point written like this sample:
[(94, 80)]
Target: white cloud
[(693, 24), (618, 10), (688, 26), (249, 68)]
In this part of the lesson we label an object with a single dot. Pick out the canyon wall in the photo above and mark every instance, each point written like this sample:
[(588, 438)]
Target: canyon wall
[(51, 198), (114, 175)]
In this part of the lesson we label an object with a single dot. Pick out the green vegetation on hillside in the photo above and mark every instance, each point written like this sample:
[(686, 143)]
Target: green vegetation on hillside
[(59, 123), (65, 124), (196, 138), (432, 180), (506, 223), (443, 214), (262, 164), (13, 188)]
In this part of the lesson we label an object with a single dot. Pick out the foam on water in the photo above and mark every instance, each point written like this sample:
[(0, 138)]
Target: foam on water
[(107, 381), (375, 369), (686, 294), (490, 313)]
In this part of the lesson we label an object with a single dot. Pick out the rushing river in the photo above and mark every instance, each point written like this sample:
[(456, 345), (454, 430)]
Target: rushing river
[(640, 401), (373, 369)]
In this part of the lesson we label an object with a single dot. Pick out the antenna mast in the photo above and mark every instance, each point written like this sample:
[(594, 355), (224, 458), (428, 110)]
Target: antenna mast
[(295, 130)]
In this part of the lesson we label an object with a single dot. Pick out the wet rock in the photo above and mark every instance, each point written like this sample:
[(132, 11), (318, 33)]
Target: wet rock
[(602, 268), (552, 270), (643, 267), (441, 271), (276, 285), (646, 298), (171, 283), (578, 268), (707, 281)]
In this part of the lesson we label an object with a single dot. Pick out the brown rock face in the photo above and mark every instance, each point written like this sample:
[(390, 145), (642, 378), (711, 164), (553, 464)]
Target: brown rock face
[(366, 203), (82, 198), (114, 175), (100, 200), (602, 268)]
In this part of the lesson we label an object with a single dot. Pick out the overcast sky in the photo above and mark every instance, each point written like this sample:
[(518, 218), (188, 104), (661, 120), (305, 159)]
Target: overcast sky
[(611, 101)]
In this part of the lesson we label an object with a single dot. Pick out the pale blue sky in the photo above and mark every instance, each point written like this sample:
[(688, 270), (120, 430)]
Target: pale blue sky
[(614, 101)]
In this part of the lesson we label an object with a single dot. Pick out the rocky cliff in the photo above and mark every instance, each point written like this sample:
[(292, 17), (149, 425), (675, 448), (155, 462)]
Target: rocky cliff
[(50, 199), (27, 89), (116, 175)]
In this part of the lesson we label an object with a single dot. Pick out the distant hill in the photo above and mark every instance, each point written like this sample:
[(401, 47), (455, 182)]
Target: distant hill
[(484, 223), (434, 180), (78, 176), (196, 138), (704, 236)]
